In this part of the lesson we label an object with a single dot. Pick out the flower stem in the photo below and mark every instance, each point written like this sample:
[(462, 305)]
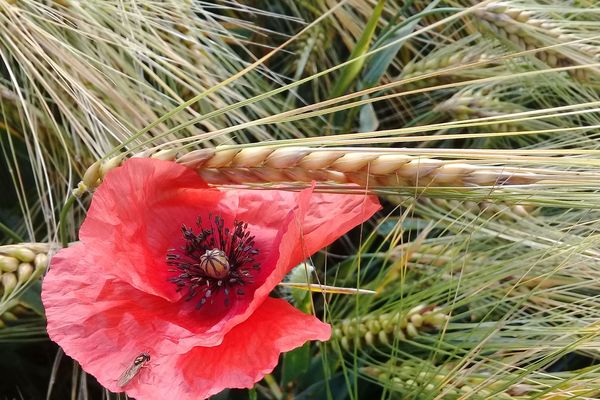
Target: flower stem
[(275, 389), (62, 232), (10, 233)]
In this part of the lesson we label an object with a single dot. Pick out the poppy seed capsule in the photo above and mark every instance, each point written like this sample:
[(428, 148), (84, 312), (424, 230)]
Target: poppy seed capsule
[(214, 264)]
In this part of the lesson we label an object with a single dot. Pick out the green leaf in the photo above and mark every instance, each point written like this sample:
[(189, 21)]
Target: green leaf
[(32, 298), (407, 224), (295, 364), (351, 71), (368, 121)]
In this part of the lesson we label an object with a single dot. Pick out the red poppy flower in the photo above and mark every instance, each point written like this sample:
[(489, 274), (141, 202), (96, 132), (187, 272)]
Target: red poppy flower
[(173, 268)]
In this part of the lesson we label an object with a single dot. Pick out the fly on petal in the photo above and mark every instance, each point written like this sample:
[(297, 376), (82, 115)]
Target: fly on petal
[(137, 364)]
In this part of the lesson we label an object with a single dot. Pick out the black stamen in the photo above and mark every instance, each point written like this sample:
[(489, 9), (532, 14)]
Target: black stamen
[(215, 260)]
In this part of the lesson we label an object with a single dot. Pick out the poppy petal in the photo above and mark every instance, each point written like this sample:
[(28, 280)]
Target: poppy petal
[(319, 219), (135, 214), (249, 352), (96, 325), (110, 298), (92, 315)]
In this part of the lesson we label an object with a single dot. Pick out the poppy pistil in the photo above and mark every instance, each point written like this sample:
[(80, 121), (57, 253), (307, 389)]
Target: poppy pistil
[(215, 261)]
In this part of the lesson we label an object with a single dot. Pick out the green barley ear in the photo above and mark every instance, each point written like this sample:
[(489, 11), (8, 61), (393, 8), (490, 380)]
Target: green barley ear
[(470, 103), (504, 210), (20, 265), (527, 29), (385, 329), (448, 380), (21, 312), (450, 63), (424, 377), (302, 273)]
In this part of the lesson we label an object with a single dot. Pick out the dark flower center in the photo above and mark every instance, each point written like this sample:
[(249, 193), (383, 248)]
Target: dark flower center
[(217, 260)]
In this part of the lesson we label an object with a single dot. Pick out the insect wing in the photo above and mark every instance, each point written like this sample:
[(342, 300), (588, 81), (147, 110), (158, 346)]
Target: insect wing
[(133, 369)]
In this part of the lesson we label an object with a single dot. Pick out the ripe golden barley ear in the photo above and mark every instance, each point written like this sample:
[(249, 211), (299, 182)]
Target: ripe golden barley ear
[(367, 167)]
